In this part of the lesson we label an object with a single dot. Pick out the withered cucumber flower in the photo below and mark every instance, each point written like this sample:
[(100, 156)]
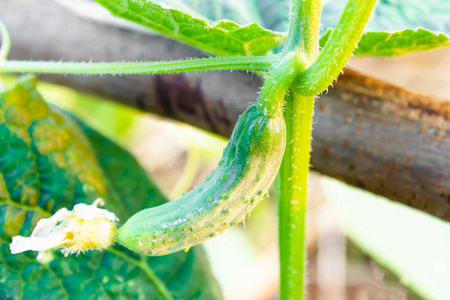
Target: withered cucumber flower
[(87, 227)]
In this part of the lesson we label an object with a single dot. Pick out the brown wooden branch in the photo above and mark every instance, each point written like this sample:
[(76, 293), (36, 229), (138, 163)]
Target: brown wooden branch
[(382, 138)]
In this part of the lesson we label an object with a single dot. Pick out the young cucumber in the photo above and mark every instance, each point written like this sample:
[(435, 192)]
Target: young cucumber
[(248, 167)]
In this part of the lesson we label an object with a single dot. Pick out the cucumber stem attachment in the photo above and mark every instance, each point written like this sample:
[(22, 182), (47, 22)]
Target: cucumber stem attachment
[(277, 82)]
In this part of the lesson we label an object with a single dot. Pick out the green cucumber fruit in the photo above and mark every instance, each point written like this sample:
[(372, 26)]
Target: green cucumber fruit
[(248, 167)]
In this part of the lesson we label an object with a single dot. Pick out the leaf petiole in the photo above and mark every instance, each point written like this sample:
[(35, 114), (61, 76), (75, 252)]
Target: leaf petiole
[(243, 63)]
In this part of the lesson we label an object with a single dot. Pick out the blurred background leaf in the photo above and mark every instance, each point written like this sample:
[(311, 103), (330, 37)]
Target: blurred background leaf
[(389, 15), (49, 162), (241, 12)]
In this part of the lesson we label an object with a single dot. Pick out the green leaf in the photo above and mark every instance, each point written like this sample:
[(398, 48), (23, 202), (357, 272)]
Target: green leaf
[(397, 43), (400, 42), (223, 38), (49, 161)]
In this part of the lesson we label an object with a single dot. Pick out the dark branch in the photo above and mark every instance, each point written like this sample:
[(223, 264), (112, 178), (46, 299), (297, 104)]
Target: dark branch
[(382, 138)]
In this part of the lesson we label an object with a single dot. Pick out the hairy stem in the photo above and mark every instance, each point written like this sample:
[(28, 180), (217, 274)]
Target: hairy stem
[(303, 39), (303, 35), (337, 50), (291, 188), (245, 63)]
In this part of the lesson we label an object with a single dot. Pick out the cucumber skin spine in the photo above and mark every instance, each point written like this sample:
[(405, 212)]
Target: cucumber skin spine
[(247, 169)]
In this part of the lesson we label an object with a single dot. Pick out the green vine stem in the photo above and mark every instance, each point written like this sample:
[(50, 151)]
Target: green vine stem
[(303, 38), (291, 185), (337, 50), (243, 63), (303, 34)]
